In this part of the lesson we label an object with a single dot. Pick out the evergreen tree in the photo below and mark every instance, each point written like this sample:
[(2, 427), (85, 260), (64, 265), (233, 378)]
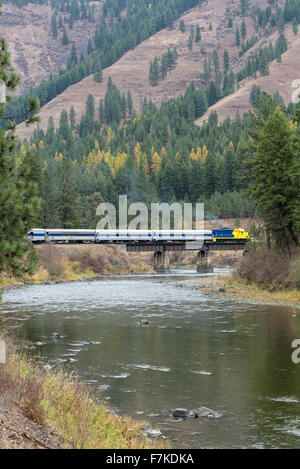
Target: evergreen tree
[(155, 72), (295, 26), (190, 43), (129, 104), (237, 37), (225, 61), (73, 58), (90, 107), (54, 25), (68, 201), (198, 34), (65, 39), (19, 202), (98, 73), (243, 31), (182, 26), (72, 118), (272, 188)]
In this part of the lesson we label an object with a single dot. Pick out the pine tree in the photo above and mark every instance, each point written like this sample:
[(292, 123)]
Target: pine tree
[(182, 26), (101, 111), (198, 34), (98, 73), (19, 200), (295, 26), (65, 39), (54, 25), (237, 37), (225, 61), (129, 104), (151, 74), (272, 188), (155, 72), (243, 31), (72, 118), (190, 43), (90, 107), (73, 58), (69, 206)]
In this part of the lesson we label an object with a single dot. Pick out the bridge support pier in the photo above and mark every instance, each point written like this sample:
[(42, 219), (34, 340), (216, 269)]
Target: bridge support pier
[(204, 262), (161, 261)]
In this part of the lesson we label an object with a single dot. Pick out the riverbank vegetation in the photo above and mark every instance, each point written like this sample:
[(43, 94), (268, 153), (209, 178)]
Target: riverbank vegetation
[(272, 168), (65, 263), (242, 290), (57, 400)]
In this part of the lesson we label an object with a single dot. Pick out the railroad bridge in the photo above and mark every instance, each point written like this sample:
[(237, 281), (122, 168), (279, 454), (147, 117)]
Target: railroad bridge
[(159, 242), (204, 259)]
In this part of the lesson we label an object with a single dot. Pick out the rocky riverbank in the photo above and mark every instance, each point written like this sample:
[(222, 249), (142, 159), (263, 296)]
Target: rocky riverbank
[(234, 287)]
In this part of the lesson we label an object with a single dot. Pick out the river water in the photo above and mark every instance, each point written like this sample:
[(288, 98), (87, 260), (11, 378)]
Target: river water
[(198, 350)]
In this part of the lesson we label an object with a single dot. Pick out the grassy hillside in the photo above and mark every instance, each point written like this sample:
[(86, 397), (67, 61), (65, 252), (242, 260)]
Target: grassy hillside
[(131, 72)]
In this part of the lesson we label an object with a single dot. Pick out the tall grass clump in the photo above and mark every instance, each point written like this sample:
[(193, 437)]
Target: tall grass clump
[(58, 399)]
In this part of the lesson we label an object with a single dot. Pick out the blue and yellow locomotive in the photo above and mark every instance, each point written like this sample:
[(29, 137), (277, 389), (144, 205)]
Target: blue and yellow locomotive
[(230, 236)]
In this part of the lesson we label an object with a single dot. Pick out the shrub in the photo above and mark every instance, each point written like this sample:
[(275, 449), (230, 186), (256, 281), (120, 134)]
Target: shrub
[(267, 268)]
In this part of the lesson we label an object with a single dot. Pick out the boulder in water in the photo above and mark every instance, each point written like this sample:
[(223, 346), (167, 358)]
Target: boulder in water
[(144, 322), (204, 412), (54, 336), (181, 413)]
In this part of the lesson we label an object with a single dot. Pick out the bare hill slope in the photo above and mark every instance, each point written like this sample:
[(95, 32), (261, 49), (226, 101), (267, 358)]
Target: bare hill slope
[(282, 78), (34, 52)]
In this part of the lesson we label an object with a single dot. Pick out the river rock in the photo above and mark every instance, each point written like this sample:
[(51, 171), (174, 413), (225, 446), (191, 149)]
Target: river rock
[(144, 322), (54, 336), (151, 432), (181, 413), (204, 412), (113, 413)]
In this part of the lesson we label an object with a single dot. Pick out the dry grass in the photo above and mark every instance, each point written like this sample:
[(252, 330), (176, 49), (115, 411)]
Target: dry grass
[(78, 262), (59, 400), (238, 288)]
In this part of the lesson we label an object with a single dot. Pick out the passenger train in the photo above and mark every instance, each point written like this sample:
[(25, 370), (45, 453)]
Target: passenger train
[(38, 235)]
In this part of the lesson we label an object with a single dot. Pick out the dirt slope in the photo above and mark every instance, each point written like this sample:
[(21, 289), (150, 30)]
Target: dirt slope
[(34, 52), (18, 432)]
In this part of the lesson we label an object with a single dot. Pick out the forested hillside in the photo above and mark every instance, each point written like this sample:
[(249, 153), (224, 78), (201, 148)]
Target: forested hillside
[(117, 130), (157, 155), (222, 46)]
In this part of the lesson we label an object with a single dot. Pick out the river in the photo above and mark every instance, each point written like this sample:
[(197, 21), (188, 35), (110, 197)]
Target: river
[(198, 350)]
